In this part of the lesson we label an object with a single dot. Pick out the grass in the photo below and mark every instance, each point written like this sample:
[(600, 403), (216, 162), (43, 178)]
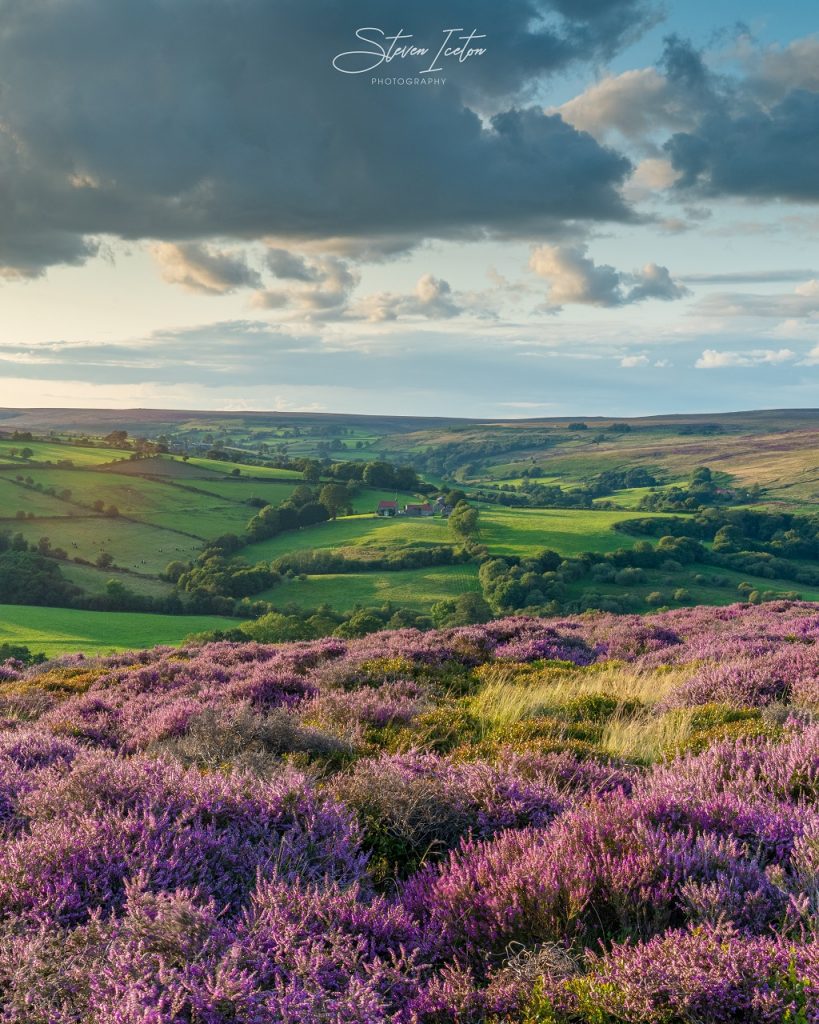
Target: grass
[(353, 531), (59, 630), (138, 546), (248, 472), (48, 451), (14, 498), (705, 592), (634, 731), (410, 588), (523, 531), (94, 581)]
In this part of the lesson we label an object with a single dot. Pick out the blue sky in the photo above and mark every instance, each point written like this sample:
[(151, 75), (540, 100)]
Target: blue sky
[(613, 210)]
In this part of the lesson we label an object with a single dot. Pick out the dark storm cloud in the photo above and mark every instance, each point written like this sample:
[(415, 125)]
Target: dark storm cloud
[(741, 144), (186, 120)]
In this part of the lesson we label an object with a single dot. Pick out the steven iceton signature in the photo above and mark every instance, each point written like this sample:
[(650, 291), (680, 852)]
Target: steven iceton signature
[(382, 49)]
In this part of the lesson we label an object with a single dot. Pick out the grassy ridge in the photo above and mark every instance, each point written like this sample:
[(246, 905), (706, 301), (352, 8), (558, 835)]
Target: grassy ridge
[(60, 630)]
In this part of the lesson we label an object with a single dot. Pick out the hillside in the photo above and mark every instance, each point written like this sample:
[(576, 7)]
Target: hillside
[(124, 504), (525, 822)]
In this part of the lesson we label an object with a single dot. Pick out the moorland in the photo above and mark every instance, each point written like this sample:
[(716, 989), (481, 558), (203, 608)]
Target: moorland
[(332, 720)]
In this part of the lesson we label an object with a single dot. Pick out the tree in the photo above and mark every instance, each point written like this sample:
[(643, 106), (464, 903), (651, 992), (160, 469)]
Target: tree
[(379, 474), (117, 438), (464, 520), (105, 560), (173, 570), (336, 499), (313, 512)]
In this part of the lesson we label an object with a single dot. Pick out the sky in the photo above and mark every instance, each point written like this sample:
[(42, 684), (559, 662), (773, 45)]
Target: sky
[(596, 207)]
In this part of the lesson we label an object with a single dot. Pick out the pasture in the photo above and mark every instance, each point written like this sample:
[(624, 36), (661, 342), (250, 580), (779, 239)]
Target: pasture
[(61, 630), (418, 589), (54, 452), (137, 546), (359, 531), (523, 531)]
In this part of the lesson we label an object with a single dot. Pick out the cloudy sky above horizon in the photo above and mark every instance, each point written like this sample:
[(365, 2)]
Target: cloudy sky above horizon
[(613, 210)]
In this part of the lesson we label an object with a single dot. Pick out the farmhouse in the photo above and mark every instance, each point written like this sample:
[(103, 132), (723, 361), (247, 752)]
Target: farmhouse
[(387, 508), (424, 509)]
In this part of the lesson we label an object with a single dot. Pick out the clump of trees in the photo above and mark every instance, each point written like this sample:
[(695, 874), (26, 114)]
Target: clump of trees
[(294, 623), (702, 490), (532, 494)]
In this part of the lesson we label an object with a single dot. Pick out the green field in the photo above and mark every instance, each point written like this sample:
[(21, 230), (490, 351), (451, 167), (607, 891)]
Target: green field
[(59, 630), (135, 546), (363, 531), (409, 588), (94, 581), (14, 499), (255, 472), (522, 531), (170, 506), (47, 451)]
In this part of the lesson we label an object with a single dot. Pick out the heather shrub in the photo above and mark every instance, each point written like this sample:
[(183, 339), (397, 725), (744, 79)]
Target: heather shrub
[(101, 822), (478, 832), (713, 976), (602, 872), (415, 807), (246, 741), (352, 713)]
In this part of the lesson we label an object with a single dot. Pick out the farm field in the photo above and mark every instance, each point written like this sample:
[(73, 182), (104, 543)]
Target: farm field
[(56, 631), (407, 588), (362, 531), (133, 545), (15, 499), (95, 581), (50, 451), (147, 510), (522, 531)]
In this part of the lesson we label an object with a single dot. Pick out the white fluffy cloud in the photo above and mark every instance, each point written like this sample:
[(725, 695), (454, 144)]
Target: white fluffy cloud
[(317, 289), (574, 278), (712, 359), (202, 268), (636, 104), (431, 298)]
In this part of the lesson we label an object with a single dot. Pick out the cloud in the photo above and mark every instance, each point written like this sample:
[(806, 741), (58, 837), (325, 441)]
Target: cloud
[(711, 359), (637, 104), (432, 298), (290, 266), (749, 276), (321, 289), (429, 369), (129, 142), (775, 72), (755, 137), (802, 302), (655, 282), (630, 362), (202, 268), (574, 278)]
